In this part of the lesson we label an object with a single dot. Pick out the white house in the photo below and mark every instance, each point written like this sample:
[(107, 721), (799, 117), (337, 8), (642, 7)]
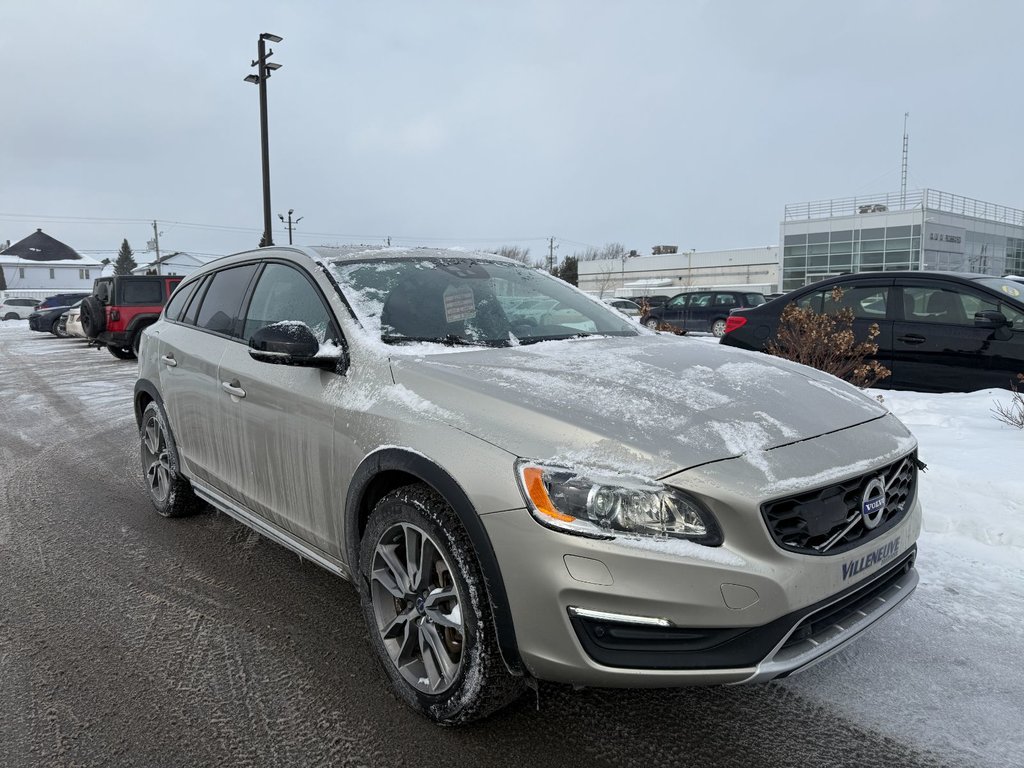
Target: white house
[(43, 263), (174, 263)]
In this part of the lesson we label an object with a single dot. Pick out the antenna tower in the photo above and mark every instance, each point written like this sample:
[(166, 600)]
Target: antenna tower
[(903, 174)]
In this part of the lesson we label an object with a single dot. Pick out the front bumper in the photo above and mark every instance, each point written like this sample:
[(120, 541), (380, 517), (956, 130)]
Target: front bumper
[(724, 617)]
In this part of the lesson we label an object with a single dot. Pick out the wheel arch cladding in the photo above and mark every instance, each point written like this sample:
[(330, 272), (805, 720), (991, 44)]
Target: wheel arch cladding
[(389, 468), (145, 393)]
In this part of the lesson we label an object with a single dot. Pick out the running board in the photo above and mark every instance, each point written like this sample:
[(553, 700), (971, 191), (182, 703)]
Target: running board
[(272, 532)]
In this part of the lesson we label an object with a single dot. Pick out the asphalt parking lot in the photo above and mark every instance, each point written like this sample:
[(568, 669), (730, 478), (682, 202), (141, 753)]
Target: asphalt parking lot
[(128, 639)]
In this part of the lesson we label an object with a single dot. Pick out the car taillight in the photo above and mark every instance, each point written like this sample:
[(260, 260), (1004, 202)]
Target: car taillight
[(733, 322)]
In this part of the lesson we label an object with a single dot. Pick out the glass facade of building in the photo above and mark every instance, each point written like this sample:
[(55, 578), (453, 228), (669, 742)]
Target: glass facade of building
[(922, 230), (812, 256)]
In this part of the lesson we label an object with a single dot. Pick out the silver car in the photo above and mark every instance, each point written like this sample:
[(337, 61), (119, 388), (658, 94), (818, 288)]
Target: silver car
[(521, 483)]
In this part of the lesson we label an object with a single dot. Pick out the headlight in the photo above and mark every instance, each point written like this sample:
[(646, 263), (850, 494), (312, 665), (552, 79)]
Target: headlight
[(606, 505)]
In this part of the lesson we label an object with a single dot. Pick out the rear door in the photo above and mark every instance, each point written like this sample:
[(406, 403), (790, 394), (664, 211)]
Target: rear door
[(189, 351), (939, 346)]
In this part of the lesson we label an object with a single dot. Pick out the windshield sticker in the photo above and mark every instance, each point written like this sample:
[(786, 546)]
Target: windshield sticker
[(1010, 290), (459, 303)]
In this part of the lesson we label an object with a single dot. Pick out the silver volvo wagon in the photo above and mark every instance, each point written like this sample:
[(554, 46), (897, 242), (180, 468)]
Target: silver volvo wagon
[(521, 483)]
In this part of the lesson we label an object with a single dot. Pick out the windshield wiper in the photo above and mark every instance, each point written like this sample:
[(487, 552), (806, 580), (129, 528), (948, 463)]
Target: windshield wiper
[(451, 340), (558, 337)]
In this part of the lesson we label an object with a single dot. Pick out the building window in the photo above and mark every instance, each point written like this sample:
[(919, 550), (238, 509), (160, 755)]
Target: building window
[(52, 276), (83, 274), (21, 273)]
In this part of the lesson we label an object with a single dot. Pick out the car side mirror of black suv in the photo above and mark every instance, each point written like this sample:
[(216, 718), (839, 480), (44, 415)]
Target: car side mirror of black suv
[(990, 319), (293, 343)]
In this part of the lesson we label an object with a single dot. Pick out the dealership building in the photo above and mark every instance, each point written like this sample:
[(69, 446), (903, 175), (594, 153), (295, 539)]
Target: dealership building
[(751, 269), (923, 230)]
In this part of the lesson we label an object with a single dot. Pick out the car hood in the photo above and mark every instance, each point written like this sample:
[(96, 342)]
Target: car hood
[(648, 405)]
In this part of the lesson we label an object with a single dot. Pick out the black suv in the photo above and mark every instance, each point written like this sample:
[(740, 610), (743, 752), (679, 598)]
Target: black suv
[(701, 310), (60, 300), (120, 307)]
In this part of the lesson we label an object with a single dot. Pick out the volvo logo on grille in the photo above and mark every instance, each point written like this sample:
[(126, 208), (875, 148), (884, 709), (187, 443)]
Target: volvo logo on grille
[(872, 503)]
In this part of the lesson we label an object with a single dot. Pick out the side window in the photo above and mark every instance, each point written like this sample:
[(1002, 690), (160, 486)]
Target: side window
[(868, 302), (725, 300), (179, 300), (142, 292), (188, 316), (284, 293), (813, 301), (942, 304), (678, 301), (223, 300), (1013, 316), (700, 300)]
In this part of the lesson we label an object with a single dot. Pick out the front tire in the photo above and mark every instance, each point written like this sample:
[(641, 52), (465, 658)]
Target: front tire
[(169, 490), (427, 610), (652, 323)]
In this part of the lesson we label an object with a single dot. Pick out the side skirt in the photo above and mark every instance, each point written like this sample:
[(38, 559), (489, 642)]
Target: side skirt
[(271, 531)]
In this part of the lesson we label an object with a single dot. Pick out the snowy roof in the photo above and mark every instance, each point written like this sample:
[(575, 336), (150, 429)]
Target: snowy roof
[(175, 257), (39, 246)]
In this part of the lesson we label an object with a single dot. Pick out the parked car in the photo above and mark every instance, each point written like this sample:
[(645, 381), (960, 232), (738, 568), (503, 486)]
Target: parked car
[(61, 300), (488, 482), (938, 331), (47, 320), (701, 310), (651, 301), (16, 308), (625, 306), (121, 307), (73, 324)]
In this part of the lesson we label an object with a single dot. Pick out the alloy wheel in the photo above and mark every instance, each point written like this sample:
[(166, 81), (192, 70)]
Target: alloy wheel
[(155, 460), (417, 609)]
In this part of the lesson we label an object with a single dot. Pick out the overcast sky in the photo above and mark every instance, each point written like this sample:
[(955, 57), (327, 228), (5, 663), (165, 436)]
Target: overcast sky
[(486, 123)]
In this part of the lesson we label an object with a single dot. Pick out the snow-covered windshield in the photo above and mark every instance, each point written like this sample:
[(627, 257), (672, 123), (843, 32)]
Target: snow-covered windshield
[(470, 301)]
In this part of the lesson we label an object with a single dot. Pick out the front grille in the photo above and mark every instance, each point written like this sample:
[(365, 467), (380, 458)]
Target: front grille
[(828, 521)]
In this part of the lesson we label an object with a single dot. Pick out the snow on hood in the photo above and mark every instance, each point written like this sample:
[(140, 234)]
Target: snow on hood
[(647, 405)]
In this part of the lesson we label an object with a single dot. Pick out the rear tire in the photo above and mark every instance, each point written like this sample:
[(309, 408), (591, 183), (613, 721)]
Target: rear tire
[(121, 353), (170, 492), (55, 328), (718, 328), (427, 610), (11, 316)]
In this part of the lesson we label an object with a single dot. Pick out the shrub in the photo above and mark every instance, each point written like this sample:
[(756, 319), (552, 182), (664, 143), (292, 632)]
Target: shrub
[(1013, 413), (827, 342)]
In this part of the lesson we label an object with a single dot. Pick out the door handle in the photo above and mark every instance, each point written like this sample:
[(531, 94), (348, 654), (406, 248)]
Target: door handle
[(911, 338), (233, 388), (169, 360)]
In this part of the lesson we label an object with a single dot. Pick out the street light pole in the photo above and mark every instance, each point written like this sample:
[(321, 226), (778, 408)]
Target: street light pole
[(264, 70), (290, 222)]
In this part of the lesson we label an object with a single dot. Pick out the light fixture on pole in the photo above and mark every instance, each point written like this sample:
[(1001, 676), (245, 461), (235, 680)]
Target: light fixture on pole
[(264, 69), (290, 223)]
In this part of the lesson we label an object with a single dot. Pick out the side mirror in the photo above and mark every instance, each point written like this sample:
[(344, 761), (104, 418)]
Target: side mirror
[(990, 319), (292, 343)]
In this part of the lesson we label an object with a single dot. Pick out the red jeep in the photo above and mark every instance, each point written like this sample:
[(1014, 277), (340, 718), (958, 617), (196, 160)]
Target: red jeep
[(121, 306)]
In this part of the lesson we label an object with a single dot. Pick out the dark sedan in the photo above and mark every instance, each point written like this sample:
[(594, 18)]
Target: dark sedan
[(939, 331), (47, 320), (702, 310)]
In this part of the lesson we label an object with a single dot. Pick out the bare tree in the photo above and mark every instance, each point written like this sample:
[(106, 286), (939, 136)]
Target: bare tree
[(516, 253)]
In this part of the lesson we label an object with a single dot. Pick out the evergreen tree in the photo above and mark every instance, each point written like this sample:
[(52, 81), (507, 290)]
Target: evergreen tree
[(124, 263), (568, 270)]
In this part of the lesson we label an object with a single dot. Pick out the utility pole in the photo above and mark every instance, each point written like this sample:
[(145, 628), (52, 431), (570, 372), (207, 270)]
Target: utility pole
[(265, 68), (156, 246), (290, 223), (551, 253)]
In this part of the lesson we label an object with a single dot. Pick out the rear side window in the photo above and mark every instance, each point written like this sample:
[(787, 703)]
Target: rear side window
[(725, 300), (142, 292), (700, 300), (179, 300), (223, 299)]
